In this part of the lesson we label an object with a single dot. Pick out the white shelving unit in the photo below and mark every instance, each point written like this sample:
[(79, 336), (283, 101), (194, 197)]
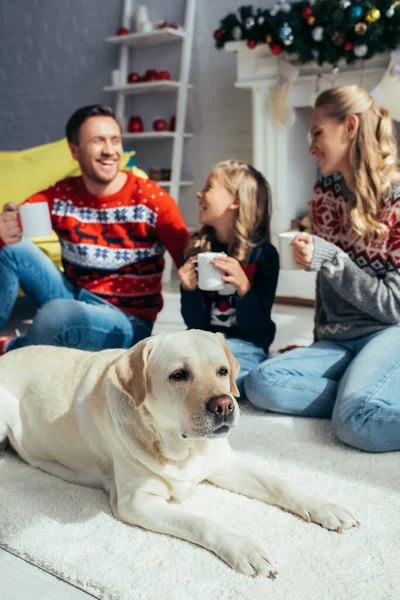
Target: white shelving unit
[(181, 88)]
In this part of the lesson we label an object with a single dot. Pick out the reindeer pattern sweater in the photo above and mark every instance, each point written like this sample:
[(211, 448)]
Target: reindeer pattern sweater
[(113, 245), (358, 282)]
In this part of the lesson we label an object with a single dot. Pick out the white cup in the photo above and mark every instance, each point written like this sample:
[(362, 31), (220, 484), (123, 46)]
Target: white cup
[(286, 255), (35, 219), (210, 278)]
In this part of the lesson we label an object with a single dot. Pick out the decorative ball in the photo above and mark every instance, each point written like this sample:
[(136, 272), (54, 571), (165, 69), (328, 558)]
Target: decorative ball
[(318, 33), (289, 40), (123, 31), (237, 33), (361, 50), (344, 4), (276, 48), (133, 78), (348, 46), (218, 34), (251, 44), (390, 12), (335, 69), (135, 124), (356, 12), (311, 20), (285, 31), (249, 22), (159, 124), (164, 75), (306, 12), (268, 38), (261, 20), (150, 75), (361, 28), (338, 38), (373, 15)]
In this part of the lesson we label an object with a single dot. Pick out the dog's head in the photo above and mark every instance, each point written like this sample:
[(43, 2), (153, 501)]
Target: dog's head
[(186, 380)]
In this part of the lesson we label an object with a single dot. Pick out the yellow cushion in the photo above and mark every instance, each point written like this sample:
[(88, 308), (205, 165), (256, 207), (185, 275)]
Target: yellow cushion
[(33, 170)]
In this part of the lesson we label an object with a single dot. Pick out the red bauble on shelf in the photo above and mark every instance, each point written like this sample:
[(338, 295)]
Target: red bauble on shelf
[(159, 124), (164, 75), (150, 75), (135, 124), (133, 78), (122, 31)]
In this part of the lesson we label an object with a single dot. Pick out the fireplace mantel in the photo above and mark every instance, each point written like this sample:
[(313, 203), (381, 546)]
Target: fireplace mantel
[(280, 152)]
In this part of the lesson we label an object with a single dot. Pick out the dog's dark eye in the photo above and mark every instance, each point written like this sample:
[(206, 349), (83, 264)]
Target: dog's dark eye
[(179, 375), (223, 371)]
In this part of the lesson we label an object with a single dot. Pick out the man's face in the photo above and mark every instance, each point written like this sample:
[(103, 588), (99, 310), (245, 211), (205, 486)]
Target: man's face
[(99, 149)]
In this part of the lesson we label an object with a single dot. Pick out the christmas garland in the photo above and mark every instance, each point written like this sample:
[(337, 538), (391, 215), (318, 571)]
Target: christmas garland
[(325, 30)]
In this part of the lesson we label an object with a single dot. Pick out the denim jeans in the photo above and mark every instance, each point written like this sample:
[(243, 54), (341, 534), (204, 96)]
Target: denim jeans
[(66, 314), (249, 356), (354, 382)]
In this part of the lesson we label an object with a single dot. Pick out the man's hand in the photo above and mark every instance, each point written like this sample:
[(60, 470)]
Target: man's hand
[(188, 275), (303, 250), (10, 231), (234, 273)]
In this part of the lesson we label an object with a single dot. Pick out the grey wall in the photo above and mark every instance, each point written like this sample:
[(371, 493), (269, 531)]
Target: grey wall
[(53, 59)]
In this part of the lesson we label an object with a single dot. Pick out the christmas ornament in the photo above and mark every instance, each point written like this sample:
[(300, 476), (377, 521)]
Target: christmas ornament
[(164, 75), (276, 48), (390, 12), (348, 46), (251, 44), (133, 78), (338, 38), (361, 50), (260, 20), (306, 13), (318, 33), (356, 12), (135, 124), (237, 33), (217, 34), (159, 124), (285, 32), (249, 23), (373, 15), (361, 28), (311, 20), (344, 4), (123, 31), (150, 75), (268, 38)]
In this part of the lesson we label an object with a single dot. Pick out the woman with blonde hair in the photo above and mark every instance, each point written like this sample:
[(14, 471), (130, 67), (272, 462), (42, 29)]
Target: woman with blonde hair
[(235, 213), (351, 372)]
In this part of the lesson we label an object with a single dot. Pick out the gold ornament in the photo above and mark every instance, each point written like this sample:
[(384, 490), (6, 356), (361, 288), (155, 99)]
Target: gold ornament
[(311, 20), (268, 39), (361, 28), (373, 15), (338, 38)]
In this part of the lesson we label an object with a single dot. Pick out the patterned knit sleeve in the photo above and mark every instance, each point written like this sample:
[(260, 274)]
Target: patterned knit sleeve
[(377, 295)]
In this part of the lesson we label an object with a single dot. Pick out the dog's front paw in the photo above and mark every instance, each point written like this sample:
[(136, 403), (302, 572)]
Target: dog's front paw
[(330, 516), (246, 556)]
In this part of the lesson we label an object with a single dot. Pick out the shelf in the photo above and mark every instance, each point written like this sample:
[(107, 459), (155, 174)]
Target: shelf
[(153, 135), (158, 36), (145, 87), (169, 183)]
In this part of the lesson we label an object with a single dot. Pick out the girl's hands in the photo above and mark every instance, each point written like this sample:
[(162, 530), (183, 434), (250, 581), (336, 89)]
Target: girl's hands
[(234, 273), (303, 250), (188, 275)]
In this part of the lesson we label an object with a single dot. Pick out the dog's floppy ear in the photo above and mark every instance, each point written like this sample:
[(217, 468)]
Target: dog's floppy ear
[(129, 372), (234, 366)]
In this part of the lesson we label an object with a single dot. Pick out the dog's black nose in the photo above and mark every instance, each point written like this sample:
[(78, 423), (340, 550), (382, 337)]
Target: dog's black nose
[(221, 405)]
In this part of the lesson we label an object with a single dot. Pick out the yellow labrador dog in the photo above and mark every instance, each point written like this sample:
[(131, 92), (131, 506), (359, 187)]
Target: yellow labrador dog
[(147, 425)]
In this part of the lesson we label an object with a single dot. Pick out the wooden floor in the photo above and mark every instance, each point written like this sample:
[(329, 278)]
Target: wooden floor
[(20, 580)]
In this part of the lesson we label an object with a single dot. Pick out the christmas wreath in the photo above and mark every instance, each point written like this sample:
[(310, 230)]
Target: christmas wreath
[(324, 30)]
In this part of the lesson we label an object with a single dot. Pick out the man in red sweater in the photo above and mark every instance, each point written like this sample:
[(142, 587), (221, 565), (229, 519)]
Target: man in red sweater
[(113, 228)]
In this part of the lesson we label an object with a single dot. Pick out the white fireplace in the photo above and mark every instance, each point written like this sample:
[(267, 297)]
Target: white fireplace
[(280, 152)]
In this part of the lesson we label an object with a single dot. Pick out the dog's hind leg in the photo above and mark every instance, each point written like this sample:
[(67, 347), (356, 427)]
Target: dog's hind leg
[(55, 468)]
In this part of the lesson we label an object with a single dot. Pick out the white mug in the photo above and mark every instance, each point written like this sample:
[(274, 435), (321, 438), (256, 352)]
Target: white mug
[(286, 255), (35, 219), (210, 278)]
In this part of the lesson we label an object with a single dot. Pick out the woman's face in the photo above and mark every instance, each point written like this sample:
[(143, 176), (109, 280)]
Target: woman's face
[(330, 141), (216, 203)]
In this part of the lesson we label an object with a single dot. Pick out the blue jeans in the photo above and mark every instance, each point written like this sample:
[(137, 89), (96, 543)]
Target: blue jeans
[(249, 356), (67, 315), (354, 382)]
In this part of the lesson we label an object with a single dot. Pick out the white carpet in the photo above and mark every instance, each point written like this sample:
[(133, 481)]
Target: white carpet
[(68, 530)]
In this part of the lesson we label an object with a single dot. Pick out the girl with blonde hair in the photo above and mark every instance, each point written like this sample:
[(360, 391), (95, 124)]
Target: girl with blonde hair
[(235, 212), (351, 373)]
